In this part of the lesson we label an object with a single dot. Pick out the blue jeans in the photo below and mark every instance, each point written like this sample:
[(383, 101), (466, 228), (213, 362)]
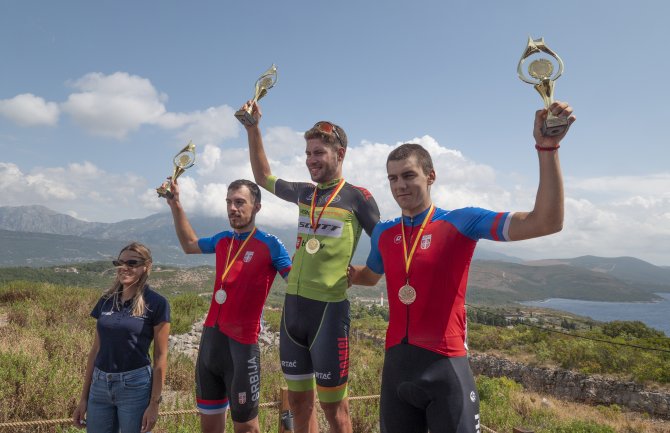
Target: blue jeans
[(117, 401)]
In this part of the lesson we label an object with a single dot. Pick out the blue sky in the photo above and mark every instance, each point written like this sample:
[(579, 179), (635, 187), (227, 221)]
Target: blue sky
[(96, 97)]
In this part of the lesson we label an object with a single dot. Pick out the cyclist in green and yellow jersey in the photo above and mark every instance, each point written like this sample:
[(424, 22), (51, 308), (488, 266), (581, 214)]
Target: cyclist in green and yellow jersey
[(314, 337)]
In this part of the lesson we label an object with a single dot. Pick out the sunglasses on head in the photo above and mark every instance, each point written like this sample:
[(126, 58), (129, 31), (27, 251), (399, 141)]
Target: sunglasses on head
[(328, 128), (132, 263)]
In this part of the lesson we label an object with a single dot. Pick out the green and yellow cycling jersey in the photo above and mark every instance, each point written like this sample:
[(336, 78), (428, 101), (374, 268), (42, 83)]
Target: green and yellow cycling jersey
[(323, 275)]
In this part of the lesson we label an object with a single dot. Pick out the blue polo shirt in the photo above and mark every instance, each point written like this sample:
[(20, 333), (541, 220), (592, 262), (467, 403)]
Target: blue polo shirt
[(124, 338)]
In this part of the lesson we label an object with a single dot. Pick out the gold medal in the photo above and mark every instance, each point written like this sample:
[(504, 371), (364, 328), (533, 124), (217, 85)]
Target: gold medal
[(312, 246), (220, 296), (407, 294)]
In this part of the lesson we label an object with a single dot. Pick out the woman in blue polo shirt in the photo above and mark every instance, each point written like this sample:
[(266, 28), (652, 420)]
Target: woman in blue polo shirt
[(121, 391)]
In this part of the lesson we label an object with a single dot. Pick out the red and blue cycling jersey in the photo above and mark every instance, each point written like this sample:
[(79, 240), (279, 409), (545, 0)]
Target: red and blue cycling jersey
[(248, 282), (438, 273)]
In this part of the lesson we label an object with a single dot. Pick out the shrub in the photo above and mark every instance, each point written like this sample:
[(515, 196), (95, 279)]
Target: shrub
[(185, 309)]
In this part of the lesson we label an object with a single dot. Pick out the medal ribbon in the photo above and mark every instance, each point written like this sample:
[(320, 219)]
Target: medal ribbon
[(312, 206), (230, 249), (408, 259)]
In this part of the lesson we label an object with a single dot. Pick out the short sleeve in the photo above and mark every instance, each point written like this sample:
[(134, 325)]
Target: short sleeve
[(366, 210), (160, 310), (477, 223), (208, 245), (289, 191), (374, 261), (97, 310), (280, 257)]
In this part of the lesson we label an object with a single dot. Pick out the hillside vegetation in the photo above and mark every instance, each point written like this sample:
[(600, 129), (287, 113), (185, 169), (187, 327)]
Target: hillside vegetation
[(46, 331)]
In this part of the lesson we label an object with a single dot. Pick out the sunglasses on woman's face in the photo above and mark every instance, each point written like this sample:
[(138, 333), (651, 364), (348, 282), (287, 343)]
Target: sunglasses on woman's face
[(132, 263)]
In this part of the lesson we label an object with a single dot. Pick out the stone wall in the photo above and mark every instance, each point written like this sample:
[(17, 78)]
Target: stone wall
[(552, 381), (189, 342), (575, 386)]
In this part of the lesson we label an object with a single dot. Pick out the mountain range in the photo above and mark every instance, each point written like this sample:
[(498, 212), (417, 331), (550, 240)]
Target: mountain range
[(38, 236), (72, 240)]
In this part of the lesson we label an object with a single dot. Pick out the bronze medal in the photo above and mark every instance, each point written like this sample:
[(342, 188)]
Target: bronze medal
[(220, 296), (312, 246), (407, 294)]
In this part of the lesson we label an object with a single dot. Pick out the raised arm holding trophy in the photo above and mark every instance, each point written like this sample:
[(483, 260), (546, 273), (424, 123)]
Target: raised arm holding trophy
[(183, 160), (541, 75), (264, 83)]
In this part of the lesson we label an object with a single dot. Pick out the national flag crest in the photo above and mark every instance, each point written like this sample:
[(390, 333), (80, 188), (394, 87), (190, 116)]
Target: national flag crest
[(242, 397), (425, 241), (247, 256)]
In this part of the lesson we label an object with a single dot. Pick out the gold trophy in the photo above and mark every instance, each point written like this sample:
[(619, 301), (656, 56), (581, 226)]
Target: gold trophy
[(182, 160), (542, 77), (264, 83)]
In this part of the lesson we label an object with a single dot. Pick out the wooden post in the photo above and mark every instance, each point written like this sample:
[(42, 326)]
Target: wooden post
[(521, 430), (285, 416)]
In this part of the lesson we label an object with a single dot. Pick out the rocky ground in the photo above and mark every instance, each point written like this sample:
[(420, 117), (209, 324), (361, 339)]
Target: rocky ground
[(188, 343)]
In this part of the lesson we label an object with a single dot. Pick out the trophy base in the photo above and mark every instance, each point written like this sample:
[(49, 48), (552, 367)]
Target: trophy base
[(165, 193), (245, 118), (554, 126)]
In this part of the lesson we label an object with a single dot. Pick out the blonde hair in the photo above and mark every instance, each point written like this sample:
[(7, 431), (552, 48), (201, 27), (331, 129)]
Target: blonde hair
[(139, 306)]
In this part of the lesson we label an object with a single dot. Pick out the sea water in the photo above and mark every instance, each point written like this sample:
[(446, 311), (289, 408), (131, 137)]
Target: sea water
[(653, 314)]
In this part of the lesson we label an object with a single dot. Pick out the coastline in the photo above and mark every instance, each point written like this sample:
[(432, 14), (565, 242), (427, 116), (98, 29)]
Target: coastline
[(652, 313)]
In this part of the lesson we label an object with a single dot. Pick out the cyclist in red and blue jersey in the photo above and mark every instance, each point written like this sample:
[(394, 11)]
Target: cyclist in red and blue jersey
[(427, 384), (247, 260)]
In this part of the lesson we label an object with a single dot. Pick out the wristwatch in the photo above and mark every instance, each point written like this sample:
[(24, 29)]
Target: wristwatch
[(157, 400)]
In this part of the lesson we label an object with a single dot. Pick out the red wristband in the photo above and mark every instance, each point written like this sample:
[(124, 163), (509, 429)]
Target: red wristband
[(547, 149)]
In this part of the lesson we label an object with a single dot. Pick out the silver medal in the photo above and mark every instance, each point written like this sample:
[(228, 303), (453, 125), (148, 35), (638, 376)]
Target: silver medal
[(220, 296), (407, 294)]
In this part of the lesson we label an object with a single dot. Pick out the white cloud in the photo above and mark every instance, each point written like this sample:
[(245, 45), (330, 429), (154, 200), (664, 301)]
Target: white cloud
[(29, 110), (460, 181), (617, 222), (623, 222), (657, 183), (604, 216), (79, 189), (117, 104), (210, 126), (210, 199), (114, 105)]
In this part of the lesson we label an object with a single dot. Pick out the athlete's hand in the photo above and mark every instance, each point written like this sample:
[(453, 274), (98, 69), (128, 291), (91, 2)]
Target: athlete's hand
[(79, 415), (558, 109), (150, 417), (174, 188), (255, 112), (354, 274)]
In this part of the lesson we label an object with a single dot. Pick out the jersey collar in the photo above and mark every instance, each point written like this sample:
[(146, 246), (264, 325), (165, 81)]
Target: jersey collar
[(329, 184), (416, 219), (242, 235)]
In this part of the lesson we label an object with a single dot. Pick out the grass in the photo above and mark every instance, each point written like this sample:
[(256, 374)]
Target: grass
[(539, 347), (47, 331)]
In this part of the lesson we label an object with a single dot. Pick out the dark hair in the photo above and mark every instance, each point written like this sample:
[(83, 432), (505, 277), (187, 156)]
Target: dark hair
[(406, 150), (336, 139), (253, 188)]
